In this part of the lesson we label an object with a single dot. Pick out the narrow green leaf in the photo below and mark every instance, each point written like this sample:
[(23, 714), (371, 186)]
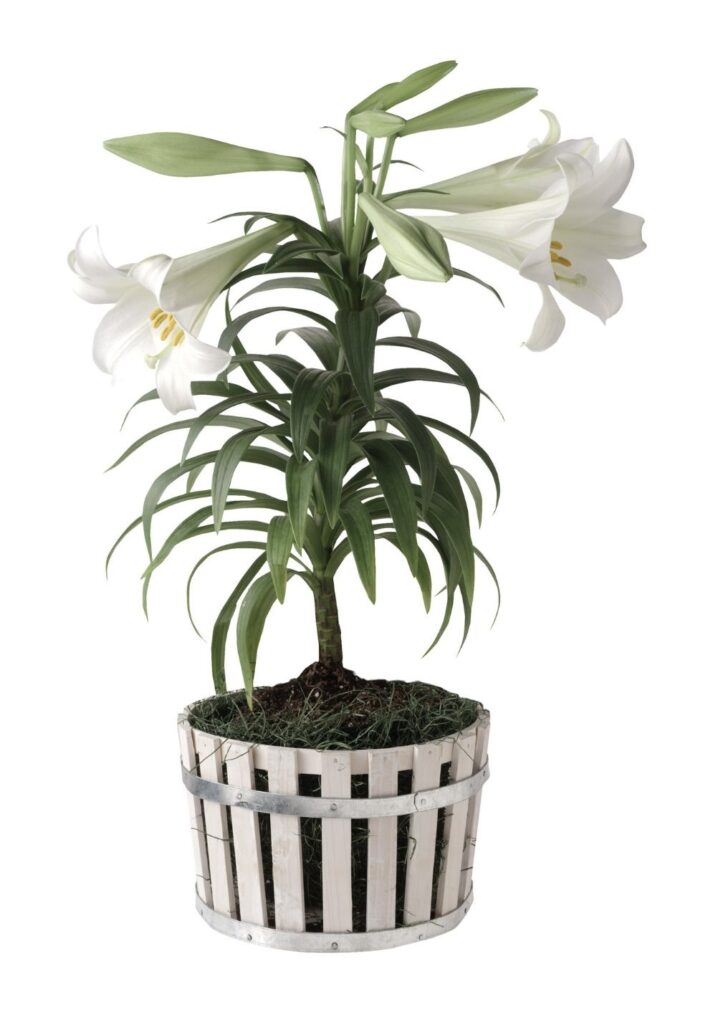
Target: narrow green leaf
[(356, 330), (299, 481), (477, 280), (307, 393), (237, 545), (215, 412), (474, 108), (253, 613), (333, 456), (160, 485), (421, 438), (413, 85), (474, 491), (458, 435), (391, 474), (221, 626), (457, 364), (182, 155), (423, 572), (279, 548), (320, 341), (360, 534), (388, 307), (228, 458)]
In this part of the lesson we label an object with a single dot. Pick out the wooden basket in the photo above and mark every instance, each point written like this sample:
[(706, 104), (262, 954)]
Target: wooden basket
[(382, 871)]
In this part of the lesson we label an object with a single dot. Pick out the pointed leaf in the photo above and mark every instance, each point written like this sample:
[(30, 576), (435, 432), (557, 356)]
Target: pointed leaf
[(458, 435), (279, 548), (307, 393), (356, 330), (391, 474), (221, 626), (299, 479), (421, 438), (250, 625), (423, 572), (333, 456), (323, 344), (413, 85), (228, 458), (360, 534), (377, 123)]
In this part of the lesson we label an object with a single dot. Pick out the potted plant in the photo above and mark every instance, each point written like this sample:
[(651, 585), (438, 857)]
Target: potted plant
[(332, 812)]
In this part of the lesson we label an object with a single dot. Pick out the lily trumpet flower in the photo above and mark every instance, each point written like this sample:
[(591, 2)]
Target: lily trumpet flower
[(572, 258), (159, 307)]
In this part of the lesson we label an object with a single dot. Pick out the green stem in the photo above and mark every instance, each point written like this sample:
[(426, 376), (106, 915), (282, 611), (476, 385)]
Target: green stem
[(329, 634), (358, 240), (385, 164), (348, 185), (318, 197)]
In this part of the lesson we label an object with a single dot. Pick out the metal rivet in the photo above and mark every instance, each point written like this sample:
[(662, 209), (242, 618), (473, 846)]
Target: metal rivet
[(332, 807), (335, 945), (249, 938), (421, 936)]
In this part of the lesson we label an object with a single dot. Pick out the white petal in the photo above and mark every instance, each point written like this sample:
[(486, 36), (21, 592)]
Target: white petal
[(124, 329), (511, 233), (150, 274), (182, 364), (609, 181), (96, 279), (615, 234), (553, 131), (599, 290), (549, 323)]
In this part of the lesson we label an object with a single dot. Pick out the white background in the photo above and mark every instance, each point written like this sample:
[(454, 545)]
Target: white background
[(596, 893)]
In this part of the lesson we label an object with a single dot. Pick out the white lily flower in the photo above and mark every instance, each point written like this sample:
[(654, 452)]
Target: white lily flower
[(159, 307), (572, 256)]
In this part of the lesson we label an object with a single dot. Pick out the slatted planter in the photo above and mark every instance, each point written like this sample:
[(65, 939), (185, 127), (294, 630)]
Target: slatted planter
[(334, 850)]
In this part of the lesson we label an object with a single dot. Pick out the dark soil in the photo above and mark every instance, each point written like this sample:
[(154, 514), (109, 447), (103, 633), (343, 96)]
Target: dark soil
[(329, 707)]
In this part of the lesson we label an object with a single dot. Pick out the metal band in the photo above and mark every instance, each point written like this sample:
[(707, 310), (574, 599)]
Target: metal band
[(335, 807), (333, 942)]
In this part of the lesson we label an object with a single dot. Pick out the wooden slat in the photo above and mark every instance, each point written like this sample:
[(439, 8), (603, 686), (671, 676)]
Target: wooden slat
[(381, 853), (467, 861), (422, 837), (199, 842), (336, 846), (309, 762), (209, 752), (452, 853), (246, 839), (286, 845)]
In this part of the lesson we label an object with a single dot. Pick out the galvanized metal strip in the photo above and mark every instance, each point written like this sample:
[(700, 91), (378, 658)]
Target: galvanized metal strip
[(335, 807), (333, 942)]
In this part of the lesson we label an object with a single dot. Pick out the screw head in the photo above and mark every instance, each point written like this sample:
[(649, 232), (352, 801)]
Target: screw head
[(249, 938), (332, 807), (335, 945), (421, 936)]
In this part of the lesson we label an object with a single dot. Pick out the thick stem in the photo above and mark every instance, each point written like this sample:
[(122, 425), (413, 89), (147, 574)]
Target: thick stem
[(328, 632)]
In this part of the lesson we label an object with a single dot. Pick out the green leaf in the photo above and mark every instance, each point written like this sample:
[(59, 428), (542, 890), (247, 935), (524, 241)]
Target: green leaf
[(422, 440), (237, 545), (388, 307), (299, 481), (307, 393), (214, 413), (228, 458), (474, 491), (360, 533), (474, 108), (477, 280), (414, 249), (462, 370), (413, 85), (356, 330), (279, 548), (229, 334), (377, 123), (333, 456), (391, 474), (309, 284), (458, 435), (235, 422), (423, 572), (182, 155), (160, 485), (320, 341), (221, 626), (250, 625)]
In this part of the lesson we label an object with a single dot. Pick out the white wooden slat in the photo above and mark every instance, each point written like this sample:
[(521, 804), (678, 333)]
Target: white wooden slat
[(209, 753), (246, 838), (309, 762), (286, 845), (381, 845), (467, 861), (199, 842), (455, 816), (422, 837), (336, 846)]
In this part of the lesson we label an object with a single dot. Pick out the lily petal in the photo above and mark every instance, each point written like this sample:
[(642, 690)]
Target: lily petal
[(182, 364), (549, 323), (616, 234), (124, 328), (598, 289), (150, 274), (96, 280), (604, 189)]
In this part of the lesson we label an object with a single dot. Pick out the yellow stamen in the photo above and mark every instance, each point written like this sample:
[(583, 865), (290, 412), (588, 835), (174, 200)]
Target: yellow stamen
[(556, 245), (159, 319), (178, 338), (166, 332), (561, 260), (155, 312)]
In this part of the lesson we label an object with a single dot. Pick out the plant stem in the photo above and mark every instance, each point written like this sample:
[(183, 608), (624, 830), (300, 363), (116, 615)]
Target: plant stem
[(318, 197), (385, 164), (327, 617), (348, 185)]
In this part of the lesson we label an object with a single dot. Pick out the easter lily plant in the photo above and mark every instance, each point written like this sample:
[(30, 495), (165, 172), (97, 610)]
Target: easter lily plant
[(353, 464)]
